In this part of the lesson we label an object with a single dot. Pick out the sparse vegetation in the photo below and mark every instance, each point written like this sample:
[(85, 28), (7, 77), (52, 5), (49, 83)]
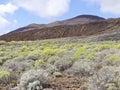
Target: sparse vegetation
[(79, 52), (90, 56), (113, 57), (57, 58), (38, 62)]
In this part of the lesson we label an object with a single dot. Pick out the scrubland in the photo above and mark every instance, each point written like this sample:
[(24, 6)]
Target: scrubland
[(60, 64)]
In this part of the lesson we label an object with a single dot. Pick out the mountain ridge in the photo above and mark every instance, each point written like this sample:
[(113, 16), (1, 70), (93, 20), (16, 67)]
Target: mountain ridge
[(81, 30), (81, 19), (107, 29)]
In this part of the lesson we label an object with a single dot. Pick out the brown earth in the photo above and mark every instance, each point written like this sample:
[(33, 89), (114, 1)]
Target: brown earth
[(82, 19), (59, 83), (82, 30), (67, 83)]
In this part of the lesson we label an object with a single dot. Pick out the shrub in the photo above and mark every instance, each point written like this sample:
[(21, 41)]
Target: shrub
[(6, 77), (80, 68), (53, 59), (63, 63), (90, 56), (19, 66), (38, 78), (4, 73), (51, 69), (52, 52), (117, 46), (3, 59), (36, 85), (79, 51), (2, 42), (39, 63), (107, 78), (57, 74), (113, 57), (34, 55), (104, 46)]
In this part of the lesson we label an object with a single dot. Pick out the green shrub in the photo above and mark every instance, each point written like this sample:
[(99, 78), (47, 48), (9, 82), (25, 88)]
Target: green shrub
[(2, 42), (4, 74), (104, 46), (7, 78), (57, 74), (52, 52), (53, 59), (90, 56), (113, 57), (117, 46), (38, 62), (79, 51), (34, 55)]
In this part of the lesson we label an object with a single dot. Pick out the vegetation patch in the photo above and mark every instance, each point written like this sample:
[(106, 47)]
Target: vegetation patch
[(4, 74), (33, 62), (91, 56), (79, 52), (113, 57)]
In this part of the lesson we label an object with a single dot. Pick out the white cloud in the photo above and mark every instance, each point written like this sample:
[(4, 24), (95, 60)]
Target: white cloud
[(4, 10), (15, 21), (7, 8), (3, 22), (45, 8), (108, 6)]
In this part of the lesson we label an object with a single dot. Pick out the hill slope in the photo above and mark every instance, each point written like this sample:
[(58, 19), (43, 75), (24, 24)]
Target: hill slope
[(60, 64), (82, 30), (82, 19)]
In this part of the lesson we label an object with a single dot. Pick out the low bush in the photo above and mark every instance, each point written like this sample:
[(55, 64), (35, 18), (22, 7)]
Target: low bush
[(113, 57), (39, 63), (80, 68), (2, 42), (91, 56), (57, 74), (36, 78), (117, 46), (7, 78), (107, 78), (79, 52)]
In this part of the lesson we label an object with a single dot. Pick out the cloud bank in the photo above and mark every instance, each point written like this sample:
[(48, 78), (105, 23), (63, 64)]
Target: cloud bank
[(44, 8), (108, 6), (4, 10)]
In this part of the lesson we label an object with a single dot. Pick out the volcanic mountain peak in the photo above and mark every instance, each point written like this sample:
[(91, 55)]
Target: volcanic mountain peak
[(89, 17), (82, 19)]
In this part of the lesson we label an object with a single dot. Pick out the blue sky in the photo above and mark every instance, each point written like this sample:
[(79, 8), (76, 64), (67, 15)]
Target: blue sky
[(19, 13)]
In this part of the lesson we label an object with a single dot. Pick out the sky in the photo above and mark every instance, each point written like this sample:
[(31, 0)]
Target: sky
[(18, 13)]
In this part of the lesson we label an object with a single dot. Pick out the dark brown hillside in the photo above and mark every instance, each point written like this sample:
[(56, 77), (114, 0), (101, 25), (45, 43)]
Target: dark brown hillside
[(82, 19), (94, 28)]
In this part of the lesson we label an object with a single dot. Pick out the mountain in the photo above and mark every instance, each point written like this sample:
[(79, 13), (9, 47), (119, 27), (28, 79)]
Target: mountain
[(82, 19), (103, 27)]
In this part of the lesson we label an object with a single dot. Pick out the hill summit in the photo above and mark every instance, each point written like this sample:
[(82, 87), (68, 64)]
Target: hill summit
[(81, 19)]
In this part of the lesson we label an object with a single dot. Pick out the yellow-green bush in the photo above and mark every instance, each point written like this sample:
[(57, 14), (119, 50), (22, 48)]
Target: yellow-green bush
[(4, 73), (79, 51), (38, 62), (113, 57), (2, 42), (117, 46), (102, 47), (90, 56), (52, 52)]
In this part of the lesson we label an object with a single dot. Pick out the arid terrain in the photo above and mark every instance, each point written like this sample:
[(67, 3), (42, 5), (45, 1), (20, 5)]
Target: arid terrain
[(82, 53)]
